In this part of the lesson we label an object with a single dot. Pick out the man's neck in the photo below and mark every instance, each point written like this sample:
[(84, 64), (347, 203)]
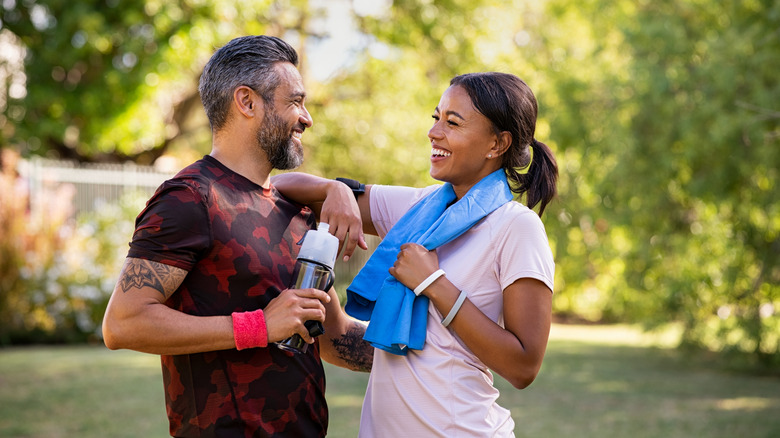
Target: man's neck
[(252, 165)]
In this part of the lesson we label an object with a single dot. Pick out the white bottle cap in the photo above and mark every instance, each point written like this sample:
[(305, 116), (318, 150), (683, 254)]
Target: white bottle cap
[(320, 246)]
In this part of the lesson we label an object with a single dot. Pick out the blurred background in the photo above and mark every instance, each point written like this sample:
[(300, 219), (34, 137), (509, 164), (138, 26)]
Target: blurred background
[(664, 116)]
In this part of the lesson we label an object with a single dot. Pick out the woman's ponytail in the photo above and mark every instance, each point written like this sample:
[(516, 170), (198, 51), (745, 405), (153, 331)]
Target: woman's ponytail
[(543, 175), (538, 180), (510, 105)]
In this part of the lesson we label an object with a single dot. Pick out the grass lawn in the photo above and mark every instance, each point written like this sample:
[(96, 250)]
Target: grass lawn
[(596, 382)]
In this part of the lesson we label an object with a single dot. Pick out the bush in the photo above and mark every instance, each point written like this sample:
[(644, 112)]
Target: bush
[(57, 271)]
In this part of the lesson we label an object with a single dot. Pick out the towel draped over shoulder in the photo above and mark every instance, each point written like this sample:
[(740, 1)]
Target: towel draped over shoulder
[(398, 318)]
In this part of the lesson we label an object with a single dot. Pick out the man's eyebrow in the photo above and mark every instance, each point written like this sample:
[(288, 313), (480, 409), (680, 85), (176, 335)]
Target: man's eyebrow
[(298, 94)]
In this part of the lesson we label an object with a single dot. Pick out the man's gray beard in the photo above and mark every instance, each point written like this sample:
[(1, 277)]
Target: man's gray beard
[(275, 140)]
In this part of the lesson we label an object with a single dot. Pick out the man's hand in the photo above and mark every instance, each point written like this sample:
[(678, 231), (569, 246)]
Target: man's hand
[(285, 314), (341, 212)]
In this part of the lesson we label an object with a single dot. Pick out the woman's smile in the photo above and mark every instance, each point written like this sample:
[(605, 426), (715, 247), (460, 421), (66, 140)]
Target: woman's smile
[(461, 140)]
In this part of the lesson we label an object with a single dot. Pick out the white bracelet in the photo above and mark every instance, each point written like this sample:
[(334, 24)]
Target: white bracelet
[(427, 282), (455, 307)]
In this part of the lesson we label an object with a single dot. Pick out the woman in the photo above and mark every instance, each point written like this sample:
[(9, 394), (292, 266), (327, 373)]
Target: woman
[(479, 261)]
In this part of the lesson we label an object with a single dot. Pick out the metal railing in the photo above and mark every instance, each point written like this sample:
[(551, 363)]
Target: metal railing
[(96, 185)]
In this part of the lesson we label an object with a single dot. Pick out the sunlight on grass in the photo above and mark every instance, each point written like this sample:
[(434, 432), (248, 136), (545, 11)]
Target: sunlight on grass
[(337, 401), (596, 381), (617, 334), (747, 404)]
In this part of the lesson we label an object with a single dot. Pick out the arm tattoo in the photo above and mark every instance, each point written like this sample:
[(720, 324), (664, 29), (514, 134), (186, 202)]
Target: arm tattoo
[(353, 350), (139, 273)]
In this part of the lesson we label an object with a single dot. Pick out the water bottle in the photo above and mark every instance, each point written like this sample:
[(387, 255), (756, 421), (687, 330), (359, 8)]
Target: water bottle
[(313, 269)]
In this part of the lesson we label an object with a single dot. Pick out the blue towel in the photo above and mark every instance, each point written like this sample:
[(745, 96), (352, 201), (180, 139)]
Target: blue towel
[(398, 318)]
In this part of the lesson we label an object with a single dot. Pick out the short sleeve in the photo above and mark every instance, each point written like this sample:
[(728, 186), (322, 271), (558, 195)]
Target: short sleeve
[(390, 203), (525, 252), (173, 228)]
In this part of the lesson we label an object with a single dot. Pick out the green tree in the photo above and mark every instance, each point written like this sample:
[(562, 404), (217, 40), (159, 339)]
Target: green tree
[(663, 116), (112, 80), (371, 121), (708, 131), (671, 166)]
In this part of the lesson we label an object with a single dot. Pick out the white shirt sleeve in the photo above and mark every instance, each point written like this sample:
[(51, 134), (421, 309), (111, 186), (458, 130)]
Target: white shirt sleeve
[(525, 252), (389, 203)]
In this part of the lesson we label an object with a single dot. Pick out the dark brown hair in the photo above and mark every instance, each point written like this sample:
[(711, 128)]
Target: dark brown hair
[(510, 105), (246, 60)]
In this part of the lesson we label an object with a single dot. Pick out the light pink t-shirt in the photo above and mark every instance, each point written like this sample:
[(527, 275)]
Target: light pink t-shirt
[(444, 390)]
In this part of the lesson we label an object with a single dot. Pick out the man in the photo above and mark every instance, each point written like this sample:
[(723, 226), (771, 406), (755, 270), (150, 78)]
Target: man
[(204, 284)]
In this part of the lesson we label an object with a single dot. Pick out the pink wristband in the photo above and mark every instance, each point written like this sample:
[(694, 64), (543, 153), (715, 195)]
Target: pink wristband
[(249, 329)]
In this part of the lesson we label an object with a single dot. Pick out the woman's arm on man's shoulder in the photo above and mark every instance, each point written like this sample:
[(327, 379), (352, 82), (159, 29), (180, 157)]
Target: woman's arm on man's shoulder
[(348, 215)]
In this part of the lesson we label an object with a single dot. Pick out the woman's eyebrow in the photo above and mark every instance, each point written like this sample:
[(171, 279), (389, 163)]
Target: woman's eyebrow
[(452, 113)]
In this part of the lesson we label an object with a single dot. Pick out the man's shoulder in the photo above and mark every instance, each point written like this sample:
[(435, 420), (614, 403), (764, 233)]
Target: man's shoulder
[(202, 176), (202, 171)]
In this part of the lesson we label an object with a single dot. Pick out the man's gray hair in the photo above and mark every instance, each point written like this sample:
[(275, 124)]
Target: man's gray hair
[(247, 60)]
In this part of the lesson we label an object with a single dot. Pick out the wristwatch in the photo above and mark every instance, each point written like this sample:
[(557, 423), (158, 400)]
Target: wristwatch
[(357, 188)]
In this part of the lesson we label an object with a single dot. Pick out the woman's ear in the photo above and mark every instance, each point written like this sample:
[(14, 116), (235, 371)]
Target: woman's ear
[(503, 141)]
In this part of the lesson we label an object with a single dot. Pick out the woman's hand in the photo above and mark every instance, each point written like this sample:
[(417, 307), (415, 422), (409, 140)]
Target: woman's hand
[(342, 214), (414, 264), (333, 203)]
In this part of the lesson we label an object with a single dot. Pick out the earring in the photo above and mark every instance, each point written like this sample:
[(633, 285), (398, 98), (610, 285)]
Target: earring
[(490, 155)]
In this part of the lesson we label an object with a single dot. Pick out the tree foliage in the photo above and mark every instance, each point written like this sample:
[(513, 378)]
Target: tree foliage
[(672, 191), (709, 124), (110, 80), (663, 116)]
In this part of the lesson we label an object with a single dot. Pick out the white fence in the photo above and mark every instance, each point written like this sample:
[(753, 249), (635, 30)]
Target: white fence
[(94, 184)]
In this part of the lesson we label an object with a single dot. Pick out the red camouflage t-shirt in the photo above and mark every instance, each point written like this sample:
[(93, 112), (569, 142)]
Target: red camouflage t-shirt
[(238, 242)]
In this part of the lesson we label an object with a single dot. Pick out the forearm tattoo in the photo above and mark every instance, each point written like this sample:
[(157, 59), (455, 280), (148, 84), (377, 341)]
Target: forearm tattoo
[(353, 350), (138, 273)]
